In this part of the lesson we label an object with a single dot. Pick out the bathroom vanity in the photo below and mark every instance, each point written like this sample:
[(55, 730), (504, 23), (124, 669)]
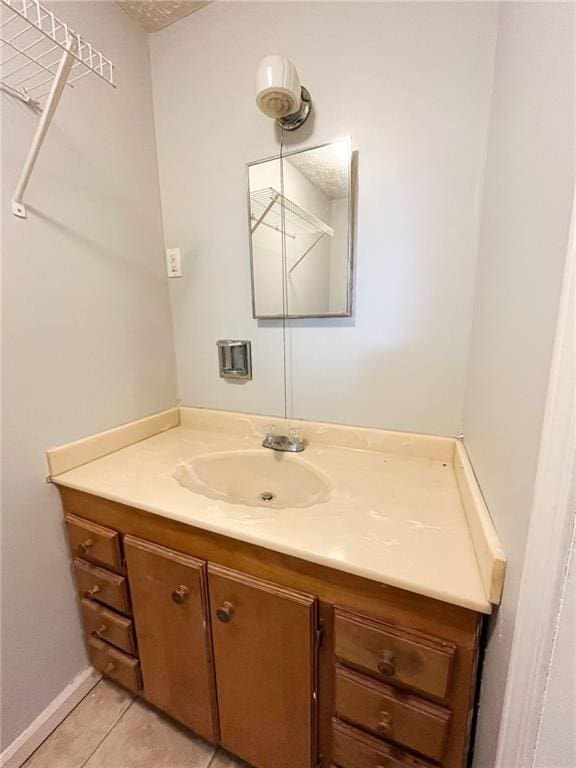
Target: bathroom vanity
[(343, 630)]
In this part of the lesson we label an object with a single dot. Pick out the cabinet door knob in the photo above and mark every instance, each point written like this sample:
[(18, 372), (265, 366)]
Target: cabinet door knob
[(102, 629), (384, 723), (180, 594), (225, 612), (90, 594), (84, 546), (387, 664)]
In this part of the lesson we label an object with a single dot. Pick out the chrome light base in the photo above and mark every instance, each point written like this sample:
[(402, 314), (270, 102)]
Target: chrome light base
[(295, 120)]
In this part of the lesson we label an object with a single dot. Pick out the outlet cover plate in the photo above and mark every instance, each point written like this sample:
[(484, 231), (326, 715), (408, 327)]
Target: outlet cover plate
[(173, 262)]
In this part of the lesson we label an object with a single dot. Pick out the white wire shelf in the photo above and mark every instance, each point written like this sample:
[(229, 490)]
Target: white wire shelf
[(39, 56), (266, 206), (32, 43)]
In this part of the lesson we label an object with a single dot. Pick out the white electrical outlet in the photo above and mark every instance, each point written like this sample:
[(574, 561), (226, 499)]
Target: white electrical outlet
[(173, 262)]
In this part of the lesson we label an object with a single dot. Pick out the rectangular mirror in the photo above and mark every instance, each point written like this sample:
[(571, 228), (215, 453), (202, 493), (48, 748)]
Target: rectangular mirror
[(300, 211)]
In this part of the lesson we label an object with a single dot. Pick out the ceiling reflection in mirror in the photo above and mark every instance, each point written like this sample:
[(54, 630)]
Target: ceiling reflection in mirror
[(300, 211)]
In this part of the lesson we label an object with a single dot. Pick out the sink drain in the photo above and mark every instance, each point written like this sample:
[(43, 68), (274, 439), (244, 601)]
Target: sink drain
[(266, 496)]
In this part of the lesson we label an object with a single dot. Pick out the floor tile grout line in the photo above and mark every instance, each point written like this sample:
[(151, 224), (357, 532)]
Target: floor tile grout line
[(108, 732), (212, 758)]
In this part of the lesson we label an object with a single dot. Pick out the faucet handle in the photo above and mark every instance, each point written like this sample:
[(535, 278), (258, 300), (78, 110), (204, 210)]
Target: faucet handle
[(269, 430), (295, 436)]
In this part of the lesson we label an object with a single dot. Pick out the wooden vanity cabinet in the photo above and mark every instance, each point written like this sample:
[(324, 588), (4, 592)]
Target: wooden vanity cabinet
[(397, 655), (355, 749), (94, 543), (102, 623), (392, 714), (285, 663), (264, 646), (169, 602), (96, 583), (119, 666)]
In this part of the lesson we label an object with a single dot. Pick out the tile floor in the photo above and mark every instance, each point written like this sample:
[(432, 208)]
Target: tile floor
[(112, 729)]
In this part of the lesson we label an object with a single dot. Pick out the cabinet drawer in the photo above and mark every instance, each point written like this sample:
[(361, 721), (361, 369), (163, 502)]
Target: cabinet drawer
[(106, 625), (94, 542), (392, 713), (353, 749), (97, 584), (400, 656), (116, 664)]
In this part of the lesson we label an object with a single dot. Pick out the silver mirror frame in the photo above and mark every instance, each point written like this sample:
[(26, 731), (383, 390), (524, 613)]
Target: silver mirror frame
[(351, 222)]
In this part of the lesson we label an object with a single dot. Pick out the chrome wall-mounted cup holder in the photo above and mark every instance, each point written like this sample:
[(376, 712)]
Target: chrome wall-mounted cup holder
[(234, 359)]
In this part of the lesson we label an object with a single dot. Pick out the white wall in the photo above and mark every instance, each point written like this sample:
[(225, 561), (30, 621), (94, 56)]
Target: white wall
[(556, 746), (308, 286), (524, 233), (87, 337), (411, 83)]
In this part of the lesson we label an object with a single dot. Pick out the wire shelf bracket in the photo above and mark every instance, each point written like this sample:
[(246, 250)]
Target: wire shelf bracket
[(268, 203), (286, 214), (39, 56)]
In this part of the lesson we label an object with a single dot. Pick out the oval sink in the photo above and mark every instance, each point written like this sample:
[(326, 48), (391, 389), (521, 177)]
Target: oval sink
[(258, 478)]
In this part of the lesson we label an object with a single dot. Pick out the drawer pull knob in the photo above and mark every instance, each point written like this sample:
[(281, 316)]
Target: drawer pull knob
[(384, 723), (180, 594), (225, 612), (84, 546), (387, 664), (110, 667), (91, 593), (102, 629)]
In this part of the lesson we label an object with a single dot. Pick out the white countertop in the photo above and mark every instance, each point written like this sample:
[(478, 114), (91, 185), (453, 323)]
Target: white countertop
[(392, 517)]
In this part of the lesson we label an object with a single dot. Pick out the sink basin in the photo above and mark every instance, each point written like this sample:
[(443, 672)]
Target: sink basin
[(258, 478)]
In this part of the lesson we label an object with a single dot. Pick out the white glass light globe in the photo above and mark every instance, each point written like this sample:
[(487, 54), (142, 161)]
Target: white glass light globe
[(278, 87)]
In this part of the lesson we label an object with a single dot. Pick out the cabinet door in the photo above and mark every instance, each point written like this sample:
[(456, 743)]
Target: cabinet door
[(172, 629), (264, 650)]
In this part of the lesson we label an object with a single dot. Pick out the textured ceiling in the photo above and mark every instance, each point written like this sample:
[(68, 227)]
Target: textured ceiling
[(153, 15), (325, 167)]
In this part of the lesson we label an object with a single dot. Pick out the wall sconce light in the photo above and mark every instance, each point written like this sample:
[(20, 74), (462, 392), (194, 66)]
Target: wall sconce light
[(279, 93)]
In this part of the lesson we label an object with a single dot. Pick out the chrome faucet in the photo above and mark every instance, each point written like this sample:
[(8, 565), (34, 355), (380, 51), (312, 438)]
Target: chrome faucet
[(291, 442)]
